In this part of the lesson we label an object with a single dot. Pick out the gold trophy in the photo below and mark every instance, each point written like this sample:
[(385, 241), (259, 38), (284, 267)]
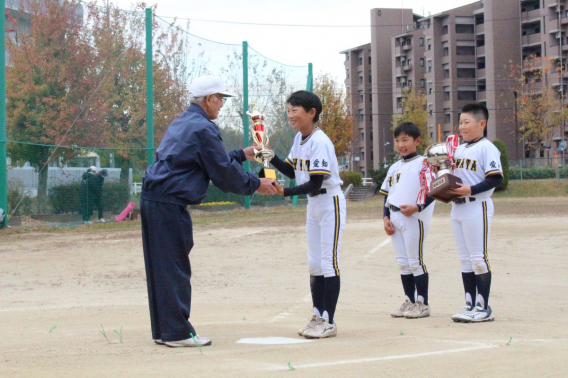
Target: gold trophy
[(264, 155), (441, 155)]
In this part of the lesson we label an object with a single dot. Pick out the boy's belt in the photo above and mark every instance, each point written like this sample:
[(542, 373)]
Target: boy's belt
[(462, 200)]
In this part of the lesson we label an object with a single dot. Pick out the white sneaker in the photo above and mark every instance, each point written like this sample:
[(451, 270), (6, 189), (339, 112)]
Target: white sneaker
[(419, 310), (465, 310), (399, 313), (102, 220), (321, 330), (87, 222), (477, 315), (310, 325), (201, 341)]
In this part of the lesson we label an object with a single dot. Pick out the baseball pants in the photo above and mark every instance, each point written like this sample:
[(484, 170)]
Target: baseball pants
[(471, 224), (167, 239), (408, 242), (325, 222)]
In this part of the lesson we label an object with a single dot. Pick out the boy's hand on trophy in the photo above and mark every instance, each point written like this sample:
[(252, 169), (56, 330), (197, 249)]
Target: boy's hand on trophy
[(463, 189), (279, 189), (266, 187), (408, 210)]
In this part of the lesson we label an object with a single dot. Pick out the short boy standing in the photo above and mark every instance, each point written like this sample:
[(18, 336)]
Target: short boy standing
[(478, 164), (407, 222)]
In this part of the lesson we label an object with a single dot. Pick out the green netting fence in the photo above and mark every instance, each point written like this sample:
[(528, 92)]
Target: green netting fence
[(104, 96)]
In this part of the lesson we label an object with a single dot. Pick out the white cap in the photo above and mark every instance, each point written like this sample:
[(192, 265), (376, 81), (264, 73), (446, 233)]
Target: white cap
[(92, 168), (207, 85)]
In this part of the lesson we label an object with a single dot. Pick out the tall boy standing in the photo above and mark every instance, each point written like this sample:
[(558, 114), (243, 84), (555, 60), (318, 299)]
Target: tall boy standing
[(478, 164), (312, 162)]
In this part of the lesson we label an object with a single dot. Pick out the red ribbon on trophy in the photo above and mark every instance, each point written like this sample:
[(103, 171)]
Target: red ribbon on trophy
[(452, 143), (426, 177)]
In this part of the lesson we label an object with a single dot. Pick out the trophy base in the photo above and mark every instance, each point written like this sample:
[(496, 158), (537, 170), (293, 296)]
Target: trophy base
[(440, 188), (269, 173)]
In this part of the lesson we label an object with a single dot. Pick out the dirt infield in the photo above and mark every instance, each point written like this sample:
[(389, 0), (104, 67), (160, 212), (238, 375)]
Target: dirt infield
[(250, 281)]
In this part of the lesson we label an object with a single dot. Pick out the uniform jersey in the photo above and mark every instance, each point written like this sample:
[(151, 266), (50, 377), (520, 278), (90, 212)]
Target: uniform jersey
[(475, 161), (315, 155), (402, 185)]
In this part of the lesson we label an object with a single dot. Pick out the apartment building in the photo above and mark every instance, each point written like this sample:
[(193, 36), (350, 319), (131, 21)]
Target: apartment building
[(456, 57)]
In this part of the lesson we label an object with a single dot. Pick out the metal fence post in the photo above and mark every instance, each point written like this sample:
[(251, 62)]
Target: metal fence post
[(246, 164), (149, 88), (3, 156)]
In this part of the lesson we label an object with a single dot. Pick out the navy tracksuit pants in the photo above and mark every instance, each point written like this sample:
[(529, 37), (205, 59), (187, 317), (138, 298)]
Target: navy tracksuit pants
[(167, 238)]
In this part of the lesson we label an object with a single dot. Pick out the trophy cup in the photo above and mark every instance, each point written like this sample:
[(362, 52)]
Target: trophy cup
[(441, 155), (264, 155)]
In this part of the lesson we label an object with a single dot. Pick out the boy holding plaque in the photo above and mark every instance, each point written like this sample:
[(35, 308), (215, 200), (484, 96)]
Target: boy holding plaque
[(478, 164), (312, 162), (408, 222)]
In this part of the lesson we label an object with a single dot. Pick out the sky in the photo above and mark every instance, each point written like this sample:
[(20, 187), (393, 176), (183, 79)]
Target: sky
[(293, 45)]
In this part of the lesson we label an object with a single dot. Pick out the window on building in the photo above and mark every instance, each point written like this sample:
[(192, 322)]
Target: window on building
[(429, 66), (446, 73), (447, 116), (409, 62), (360, 73), (370, 79), (409, 41), (410, 83), (361, 116), (347, 73), (481, 86), (429, 41), (480, 40), (360, 60), (466, 73), (430, 109), (445, 29), (465, 50), (370, 96), (369, 60), (467, 95), (422, 83), (464, 29), (361, 134), (399, 102), (421, 62), (447, 93), (481, 64), (421, 41), (361, 99), (446, 51)]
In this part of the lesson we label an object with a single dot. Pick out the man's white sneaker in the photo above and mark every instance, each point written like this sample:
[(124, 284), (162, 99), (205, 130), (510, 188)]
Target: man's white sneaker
[(477, 315), (399, 313), (321, 330), (465, 310), (201, 341), (310, 325), (102, 220), (419, 310)]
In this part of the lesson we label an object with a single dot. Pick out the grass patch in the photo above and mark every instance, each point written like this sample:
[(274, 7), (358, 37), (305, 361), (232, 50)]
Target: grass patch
[(534, 188)]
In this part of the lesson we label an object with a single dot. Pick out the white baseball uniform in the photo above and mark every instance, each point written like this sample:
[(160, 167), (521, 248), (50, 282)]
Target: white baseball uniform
[(401, 187), (325, 219), (471, 221)]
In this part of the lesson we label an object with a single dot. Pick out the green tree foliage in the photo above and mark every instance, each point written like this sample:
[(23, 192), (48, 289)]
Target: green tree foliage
[(504, 164), (414, 110), (335, 120)]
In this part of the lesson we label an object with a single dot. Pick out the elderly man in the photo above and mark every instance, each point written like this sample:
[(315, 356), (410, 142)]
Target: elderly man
[(190, 155)]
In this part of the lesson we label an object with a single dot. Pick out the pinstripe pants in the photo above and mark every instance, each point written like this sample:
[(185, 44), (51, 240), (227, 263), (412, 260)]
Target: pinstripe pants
[(471, 224), (325, 222), (408, 242)]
